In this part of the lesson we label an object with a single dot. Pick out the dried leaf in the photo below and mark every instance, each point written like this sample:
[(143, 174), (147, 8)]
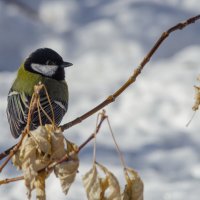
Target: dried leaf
[(39, 184), (57, 143), (112, 185), (31, 158), (97, 188), (197, 98), (66, 171), (134, 187), (92, 184), (43, 146)]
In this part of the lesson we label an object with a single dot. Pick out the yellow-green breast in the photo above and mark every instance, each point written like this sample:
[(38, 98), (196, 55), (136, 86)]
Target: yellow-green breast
[(26, 80)]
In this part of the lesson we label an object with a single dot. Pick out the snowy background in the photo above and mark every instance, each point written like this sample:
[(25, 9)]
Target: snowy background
[(106, 40)]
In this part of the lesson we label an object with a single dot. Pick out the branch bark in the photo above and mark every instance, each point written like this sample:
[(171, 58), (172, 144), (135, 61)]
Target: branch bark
[(135, 74), (64, 158)]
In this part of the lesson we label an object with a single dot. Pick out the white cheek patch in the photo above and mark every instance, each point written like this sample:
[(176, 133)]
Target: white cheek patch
[(47, 70)]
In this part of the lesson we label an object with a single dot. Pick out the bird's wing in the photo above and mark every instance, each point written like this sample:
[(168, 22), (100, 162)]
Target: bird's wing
[(17, 112), (59, 110)]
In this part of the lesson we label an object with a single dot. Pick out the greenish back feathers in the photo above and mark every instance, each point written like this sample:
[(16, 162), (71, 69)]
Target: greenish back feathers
[(26, 80)]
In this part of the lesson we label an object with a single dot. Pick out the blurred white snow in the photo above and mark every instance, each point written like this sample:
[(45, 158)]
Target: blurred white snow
[(106, 40)]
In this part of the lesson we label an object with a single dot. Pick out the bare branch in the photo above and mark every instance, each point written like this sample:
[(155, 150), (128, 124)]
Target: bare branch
[(6, 152), (13, 151), (135, 74), (10, 180), (64, 158)]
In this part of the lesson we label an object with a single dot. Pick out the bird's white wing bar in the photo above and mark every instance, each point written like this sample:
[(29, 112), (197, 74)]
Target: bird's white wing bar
[(47, 70), (61, 105), (13, 93)]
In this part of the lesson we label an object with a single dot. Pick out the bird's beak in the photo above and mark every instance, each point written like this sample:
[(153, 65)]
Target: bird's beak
[(66, 64)]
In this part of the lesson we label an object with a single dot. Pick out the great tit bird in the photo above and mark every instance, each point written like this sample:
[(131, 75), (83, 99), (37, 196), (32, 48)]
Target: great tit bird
[(46, 66)]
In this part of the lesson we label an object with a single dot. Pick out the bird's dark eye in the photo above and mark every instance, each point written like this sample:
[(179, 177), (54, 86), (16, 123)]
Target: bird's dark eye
[(49, 62)]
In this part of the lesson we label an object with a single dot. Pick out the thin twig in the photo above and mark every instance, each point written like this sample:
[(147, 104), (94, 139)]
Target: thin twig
[(103, 117), (10, 180), (13, 151), (117, 146), (95, 133), (45, 113), (33, 105), (66, 157), (39, 114), (6, 152), (49, 100), (135, 74)]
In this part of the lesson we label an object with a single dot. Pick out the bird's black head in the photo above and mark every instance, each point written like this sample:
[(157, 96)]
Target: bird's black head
[(46, 62)]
